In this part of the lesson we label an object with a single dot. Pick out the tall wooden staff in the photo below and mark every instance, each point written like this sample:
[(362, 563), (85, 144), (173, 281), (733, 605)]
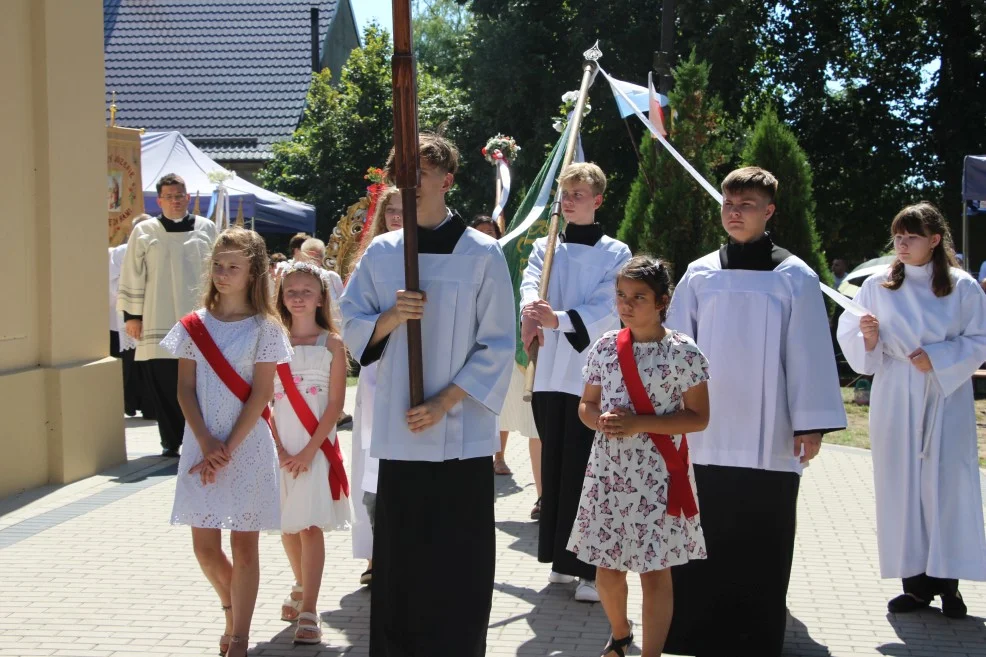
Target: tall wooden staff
[(588, 68), (407, 175)]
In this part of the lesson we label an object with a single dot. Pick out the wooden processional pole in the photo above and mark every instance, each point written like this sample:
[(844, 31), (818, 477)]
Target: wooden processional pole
[(407, 175), (588, 69)]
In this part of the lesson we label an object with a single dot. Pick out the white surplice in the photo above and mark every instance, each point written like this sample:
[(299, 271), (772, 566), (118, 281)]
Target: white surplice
[(468, 338), (923, 426), (771, 364), (363, 466), (583, 279)]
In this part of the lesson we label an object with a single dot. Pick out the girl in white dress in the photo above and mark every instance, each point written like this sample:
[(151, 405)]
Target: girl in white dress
[(388, 216), (314, 486), (645, 387), (227, 475), (922, 343)]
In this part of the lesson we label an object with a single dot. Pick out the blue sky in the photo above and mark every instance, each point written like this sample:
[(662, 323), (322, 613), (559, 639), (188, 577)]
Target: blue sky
[(367, 10)]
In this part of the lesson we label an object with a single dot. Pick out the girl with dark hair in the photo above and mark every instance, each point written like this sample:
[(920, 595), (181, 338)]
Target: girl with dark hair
[(644, 390), (924, 338)]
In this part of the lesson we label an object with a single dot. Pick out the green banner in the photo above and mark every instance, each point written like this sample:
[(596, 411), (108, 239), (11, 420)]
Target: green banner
[(530, 222)]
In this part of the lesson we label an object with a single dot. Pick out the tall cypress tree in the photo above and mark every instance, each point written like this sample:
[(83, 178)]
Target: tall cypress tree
[(773, 146), (668, 214)]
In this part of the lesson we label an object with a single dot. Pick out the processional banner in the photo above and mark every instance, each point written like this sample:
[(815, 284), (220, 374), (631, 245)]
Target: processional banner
[(124, 193)]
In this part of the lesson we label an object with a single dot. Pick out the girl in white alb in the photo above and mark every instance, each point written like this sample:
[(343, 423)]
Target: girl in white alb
[(308, 396), (227, 475)]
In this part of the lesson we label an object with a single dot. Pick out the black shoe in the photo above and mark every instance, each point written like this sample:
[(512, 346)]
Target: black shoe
[(366, 579), (536, 511), (906, 603), (130, 412), (170, 454), (953, 606), (344, 420)]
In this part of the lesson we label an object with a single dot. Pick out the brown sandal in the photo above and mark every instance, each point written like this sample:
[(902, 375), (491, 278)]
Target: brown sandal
[(500, 467)]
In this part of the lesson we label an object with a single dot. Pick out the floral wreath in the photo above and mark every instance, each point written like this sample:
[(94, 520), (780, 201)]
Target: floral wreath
[(305, 267), (568, 102), (501, 147)]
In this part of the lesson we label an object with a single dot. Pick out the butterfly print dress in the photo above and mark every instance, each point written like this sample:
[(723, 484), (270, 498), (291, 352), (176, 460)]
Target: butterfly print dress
[(622, 522)]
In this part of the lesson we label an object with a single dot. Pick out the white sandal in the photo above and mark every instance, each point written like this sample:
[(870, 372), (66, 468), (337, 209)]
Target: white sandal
[(291, 605), (308, 629)]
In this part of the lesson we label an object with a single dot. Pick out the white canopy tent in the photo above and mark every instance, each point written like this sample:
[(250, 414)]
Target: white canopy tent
[(170, 152)]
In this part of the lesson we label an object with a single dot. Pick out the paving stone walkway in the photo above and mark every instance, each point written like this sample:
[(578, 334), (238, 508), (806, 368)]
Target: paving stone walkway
[(94, 568)]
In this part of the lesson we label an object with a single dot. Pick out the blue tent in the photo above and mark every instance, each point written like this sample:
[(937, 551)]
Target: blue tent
[(973, 189), (171, 152)]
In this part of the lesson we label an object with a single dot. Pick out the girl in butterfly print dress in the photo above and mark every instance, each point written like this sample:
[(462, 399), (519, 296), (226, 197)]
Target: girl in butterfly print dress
[(622, 523)]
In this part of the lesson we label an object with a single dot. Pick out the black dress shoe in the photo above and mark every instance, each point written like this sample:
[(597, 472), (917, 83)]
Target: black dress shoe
[(906, 603), (170, 454), (953, 606)]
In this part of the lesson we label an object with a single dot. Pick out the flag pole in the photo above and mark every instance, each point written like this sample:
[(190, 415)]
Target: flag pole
[(588, 69), (407, 176)]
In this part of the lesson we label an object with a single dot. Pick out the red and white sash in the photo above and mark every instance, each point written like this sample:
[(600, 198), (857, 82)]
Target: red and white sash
[(680, 496), (214, 356), (238, 386), (338, 482)]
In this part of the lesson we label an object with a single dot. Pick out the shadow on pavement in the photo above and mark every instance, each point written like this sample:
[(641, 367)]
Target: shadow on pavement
[(283, 642), (797, 641), (353, 620), (141, 468), (551, 605), (526, 534), (927, 631)]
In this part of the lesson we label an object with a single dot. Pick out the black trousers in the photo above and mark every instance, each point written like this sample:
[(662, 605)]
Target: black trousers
[(134, 397), (565, 447), (162, 375), (735, 602), (434, 553), (926, 587)]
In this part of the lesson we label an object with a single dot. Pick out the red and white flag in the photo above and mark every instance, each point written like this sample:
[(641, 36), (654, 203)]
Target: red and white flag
[(656, 113)]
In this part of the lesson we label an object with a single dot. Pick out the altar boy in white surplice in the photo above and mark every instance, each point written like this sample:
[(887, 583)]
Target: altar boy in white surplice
[(434, 544), (922, 343), (756, 312)]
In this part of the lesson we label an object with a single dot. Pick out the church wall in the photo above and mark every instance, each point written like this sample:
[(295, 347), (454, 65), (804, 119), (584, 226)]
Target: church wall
[(60, 395)]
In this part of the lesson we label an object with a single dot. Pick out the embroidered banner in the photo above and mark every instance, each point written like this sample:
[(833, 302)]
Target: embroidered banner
[(125, 198)]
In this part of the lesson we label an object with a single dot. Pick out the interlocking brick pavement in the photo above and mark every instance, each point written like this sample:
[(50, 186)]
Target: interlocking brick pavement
[(94, 568)]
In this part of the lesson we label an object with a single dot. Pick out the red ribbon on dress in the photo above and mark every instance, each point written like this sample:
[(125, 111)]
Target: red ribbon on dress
[(337, 471), (214, 356), (680, 496)]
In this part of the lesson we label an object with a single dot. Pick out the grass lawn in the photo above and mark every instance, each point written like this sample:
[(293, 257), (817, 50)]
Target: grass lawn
[(857, 434)]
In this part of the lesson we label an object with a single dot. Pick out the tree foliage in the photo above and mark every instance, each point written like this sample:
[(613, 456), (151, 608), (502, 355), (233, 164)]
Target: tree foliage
[(774, 147), (667, 213), (348, 128)]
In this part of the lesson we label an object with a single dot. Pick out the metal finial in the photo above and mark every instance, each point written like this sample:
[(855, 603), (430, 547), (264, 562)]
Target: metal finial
[(593, 54), (113, 110)]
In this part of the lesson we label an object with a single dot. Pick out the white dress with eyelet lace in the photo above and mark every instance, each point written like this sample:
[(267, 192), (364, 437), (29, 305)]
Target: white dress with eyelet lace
[(245, 495), (306, 500)]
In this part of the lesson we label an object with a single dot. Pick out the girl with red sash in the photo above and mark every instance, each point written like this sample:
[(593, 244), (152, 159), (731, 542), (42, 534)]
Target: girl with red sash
[(227, 475), (308, 396), (645, 389)]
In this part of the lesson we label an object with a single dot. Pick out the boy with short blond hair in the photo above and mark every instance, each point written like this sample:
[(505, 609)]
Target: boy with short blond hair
[(580, 306), (434, 545), (757, 313)]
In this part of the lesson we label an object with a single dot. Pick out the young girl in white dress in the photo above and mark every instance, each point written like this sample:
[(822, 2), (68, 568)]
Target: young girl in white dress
[(387, 217), (227, 475), (922, 343), (314, 486), (645, 387)]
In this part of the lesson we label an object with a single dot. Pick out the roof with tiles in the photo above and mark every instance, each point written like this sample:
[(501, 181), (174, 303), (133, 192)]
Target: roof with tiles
[(231, 75)]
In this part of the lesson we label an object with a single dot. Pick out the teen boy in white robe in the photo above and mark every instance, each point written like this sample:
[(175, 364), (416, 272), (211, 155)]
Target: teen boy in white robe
[(925, 339), (757, 313), (434, 547), (159, 284), (580, 307)]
